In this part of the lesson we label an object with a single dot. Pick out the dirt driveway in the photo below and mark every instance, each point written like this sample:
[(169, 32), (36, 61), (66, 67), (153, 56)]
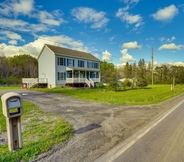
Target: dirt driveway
[(98, 127)]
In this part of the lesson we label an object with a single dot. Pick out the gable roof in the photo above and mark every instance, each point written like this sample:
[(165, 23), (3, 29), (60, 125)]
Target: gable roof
[(71, 53)]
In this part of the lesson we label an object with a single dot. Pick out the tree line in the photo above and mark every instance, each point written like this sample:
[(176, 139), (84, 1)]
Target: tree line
[(13, 69), (141, 73)]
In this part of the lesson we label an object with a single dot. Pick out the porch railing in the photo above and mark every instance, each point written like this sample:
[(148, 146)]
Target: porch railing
[(32, 81), (81, 80), (88, 82), (92, 82)]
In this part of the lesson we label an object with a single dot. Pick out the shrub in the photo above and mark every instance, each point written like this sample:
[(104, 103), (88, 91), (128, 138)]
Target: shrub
[(113, 85), (127, 83), (100, 85), (142, 83)]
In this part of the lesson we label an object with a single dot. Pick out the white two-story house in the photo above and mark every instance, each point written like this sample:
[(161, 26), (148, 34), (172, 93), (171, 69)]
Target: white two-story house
[(61, 66)]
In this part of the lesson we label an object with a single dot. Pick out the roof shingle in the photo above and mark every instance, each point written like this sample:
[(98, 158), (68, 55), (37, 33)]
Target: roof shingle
[(71, 53)]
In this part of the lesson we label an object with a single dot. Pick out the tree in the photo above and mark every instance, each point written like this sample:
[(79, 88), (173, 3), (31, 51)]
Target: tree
[(12, 69), (4, 68), (141, 82), (113, 85), (141, 74), (23, 66), (108, 71)]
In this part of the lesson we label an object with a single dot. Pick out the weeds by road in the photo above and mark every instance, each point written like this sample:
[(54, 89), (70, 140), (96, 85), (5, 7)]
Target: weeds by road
[(40, 132)]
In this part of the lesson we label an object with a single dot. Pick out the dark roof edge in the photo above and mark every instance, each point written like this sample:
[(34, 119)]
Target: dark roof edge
[(95, 58)]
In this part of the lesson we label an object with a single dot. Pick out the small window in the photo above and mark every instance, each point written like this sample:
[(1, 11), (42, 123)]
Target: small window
[(70, 62), (61, 76), (80, 63), (89, 64), (96, 66), (61, 61)]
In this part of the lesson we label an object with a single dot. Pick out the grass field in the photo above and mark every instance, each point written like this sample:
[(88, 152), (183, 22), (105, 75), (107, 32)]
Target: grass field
[(144, 96), (9, 87), (40, 132)]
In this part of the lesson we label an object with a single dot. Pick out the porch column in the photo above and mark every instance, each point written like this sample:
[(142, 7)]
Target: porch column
[(72, 76), (79, 77), (99, 76)]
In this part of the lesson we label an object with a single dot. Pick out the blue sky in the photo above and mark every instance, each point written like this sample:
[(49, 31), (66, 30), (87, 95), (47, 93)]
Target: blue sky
[(117, 31)]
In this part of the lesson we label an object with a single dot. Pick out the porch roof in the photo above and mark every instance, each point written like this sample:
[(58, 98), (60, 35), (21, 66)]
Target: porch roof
[(80, 69)]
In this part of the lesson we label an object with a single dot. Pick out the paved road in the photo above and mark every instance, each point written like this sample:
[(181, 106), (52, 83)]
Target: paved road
[(164, 143), (100, 127)]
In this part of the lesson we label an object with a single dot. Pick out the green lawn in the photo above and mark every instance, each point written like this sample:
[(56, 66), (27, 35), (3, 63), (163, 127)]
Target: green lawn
[(9, 87), (40, 132), (144, 96)]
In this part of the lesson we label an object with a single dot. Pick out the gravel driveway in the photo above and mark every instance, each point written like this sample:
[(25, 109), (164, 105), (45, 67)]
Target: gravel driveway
[(98, 127)]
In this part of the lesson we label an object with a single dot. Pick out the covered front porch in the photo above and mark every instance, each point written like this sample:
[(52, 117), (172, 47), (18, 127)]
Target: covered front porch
[(82, 75)]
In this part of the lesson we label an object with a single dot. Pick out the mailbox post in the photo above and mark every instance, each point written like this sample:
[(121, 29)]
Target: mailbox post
[(12, 110)]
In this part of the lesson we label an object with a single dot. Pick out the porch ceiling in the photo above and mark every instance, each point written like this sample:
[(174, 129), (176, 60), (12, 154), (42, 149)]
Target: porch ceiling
[(80, 69)]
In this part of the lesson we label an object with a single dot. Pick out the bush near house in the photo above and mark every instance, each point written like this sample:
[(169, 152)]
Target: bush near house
[(100, 85)]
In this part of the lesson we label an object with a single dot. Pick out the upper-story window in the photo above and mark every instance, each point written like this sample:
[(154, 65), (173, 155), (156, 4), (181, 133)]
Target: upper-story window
[(96, 65), (61, 61), (89, 64), (80, 63), (70, 62)]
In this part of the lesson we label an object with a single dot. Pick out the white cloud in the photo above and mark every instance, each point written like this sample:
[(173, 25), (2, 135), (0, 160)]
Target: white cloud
[(12, 23), (170, 46), (163, 39), (23, 7), (126, 56), (112, 38), (130, 1), (175, 63), (171, 39), (89, 15), (50, 19), (96, 55), (178, 64), (35, 46), (12, 42), (12, 35), (151, 38), (129, 18), (165, 14), (39, 27), (106, 56), (131, 45), (16, 7)]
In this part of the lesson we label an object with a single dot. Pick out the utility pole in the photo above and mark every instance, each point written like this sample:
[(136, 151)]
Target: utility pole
[(152, 64)]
